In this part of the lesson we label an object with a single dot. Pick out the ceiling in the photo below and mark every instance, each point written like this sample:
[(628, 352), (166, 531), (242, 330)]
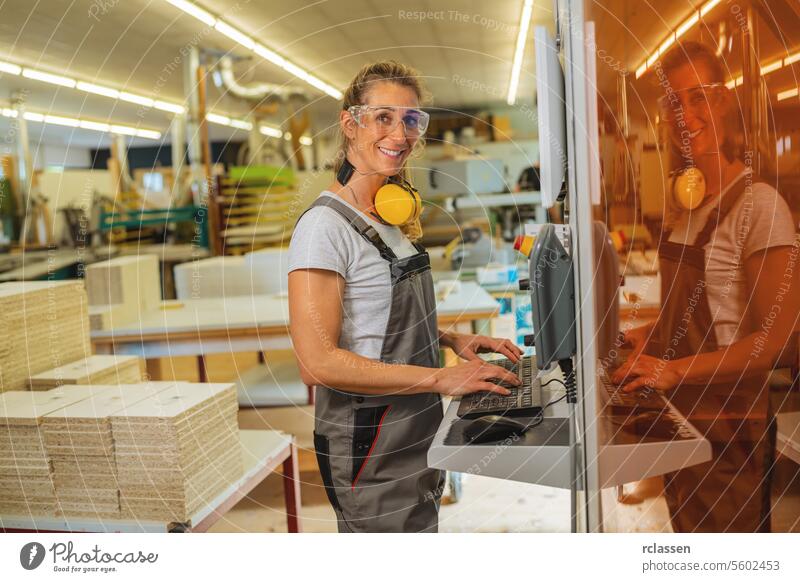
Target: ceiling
[(139, 46)]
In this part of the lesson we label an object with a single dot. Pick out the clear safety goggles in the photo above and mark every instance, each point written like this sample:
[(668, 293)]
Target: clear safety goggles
[(695, 98), (383, 119)]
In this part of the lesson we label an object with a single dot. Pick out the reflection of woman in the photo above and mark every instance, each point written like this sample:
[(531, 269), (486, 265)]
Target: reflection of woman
[(363, 323), (729, 305)]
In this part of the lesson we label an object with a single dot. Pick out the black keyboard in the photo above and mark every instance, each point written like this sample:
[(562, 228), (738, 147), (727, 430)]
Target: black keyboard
[(524, 400), (641, 399)]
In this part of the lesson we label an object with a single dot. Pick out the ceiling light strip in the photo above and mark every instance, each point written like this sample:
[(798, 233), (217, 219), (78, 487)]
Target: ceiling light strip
[(519, 51), (110, 92), (63, 121), (250, 44), (682, 29)]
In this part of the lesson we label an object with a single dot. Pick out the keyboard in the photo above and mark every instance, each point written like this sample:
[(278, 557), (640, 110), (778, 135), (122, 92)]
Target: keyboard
[(644, 413), (524, 400), (641, 399)]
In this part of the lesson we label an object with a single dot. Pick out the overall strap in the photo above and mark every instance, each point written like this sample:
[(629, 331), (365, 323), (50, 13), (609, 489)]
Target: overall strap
[(359, 224), (729, 200)]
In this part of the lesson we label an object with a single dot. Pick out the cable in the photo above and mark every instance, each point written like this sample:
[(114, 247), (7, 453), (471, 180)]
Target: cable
[(553, 380), (569, 380)]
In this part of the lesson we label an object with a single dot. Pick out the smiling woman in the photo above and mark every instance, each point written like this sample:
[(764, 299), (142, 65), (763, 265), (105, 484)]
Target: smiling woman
[(363, 318)]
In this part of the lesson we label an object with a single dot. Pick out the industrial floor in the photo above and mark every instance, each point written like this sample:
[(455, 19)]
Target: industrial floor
[(486, 504)]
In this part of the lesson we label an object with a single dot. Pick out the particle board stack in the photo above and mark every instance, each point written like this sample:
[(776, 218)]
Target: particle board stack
[(176, 451), (97, 369), (26, 486), (44, 325), (120, 289), (79, 443)]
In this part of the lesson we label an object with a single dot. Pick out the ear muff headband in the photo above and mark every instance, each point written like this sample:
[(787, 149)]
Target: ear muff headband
[(396, 203), (689, 187)]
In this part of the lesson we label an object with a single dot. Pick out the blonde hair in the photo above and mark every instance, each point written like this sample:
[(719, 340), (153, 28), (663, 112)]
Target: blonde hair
[(356, 94)]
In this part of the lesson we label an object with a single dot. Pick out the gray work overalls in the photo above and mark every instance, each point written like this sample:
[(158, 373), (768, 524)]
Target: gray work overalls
[(372, 450), (729, 493)]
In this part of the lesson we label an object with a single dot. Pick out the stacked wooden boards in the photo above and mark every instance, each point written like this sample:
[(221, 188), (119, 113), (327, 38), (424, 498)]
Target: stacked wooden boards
[(26, 486), (175, 452), (96, 370), (155, 450), (121, 289), (43, 324), (80, 446)]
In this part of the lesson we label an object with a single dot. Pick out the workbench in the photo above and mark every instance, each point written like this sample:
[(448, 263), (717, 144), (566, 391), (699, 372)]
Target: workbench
[(256, 323), (262, 451)]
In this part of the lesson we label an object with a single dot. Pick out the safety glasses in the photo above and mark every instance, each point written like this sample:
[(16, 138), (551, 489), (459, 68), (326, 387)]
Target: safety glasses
[(383, 119), (674, 103)]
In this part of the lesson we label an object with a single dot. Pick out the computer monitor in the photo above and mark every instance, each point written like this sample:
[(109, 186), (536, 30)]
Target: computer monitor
[(551, 111), (552, 289)]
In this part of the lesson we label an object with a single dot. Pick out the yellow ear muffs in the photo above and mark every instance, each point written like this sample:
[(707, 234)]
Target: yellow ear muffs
[(689, 188), (398, 204)]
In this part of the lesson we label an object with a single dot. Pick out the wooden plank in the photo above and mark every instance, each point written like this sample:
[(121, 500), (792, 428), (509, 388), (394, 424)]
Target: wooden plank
[(95, 369)]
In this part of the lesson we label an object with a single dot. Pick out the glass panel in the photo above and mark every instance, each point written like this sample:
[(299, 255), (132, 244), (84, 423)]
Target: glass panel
[(697, 149)]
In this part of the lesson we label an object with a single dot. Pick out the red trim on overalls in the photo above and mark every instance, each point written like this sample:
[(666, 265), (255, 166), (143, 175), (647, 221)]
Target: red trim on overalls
[(372, 447)]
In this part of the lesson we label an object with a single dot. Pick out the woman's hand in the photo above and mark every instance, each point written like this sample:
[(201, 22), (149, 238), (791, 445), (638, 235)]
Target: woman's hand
[(472, 376), (469, 346), (637, 337), (643, 371)]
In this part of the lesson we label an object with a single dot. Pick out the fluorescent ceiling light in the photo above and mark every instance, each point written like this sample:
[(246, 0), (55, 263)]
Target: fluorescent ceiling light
[(48, 78), (791, 59), (138, 99), (123, 130), (94, 125), (241, 124), (228, 121), (305, 140), (82, 123), (193, 10), (98, 90), (270, 131), (247, 42), (708, 6), (218, 119), (170, 107), (269, 55), (147, 133), (773, 66), (788, 94), (235, 35), (666, 44), (65, 121), (519, 51), (10, 68), (687, 24)]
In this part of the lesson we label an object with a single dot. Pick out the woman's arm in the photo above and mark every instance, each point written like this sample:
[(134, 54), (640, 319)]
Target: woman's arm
[(774, 305), (315, 323)]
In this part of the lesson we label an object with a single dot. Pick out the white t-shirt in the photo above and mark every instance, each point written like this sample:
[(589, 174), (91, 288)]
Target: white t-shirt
[(760, 219), (323, 239)]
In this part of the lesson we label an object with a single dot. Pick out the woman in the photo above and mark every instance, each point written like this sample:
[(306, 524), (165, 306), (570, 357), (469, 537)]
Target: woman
[(363, 321), (726, 270)]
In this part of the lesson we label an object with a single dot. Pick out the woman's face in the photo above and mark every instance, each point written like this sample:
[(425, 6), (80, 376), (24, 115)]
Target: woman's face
[(696, 110), (376, 150)]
